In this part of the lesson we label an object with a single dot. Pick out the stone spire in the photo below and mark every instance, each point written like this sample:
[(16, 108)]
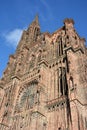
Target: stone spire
[(36, 20), (35, 23), (31, 34), (34, 29)]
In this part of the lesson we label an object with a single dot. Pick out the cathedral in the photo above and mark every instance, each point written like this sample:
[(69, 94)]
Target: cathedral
[(44, 86)]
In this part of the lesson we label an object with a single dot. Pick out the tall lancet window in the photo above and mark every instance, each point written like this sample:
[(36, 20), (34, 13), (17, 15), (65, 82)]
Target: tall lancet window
[(32, 61), (71, 82)]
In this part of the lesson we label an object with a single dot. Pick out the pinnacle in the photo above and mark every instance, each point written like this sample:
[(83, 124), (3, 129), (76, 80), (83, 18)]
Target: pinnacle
[(36, 19), (35, 22)]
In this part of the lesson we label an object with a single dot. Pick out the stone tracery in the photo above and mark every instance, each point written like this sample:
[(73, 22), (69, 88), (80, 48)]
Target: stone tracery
[(45, 84)]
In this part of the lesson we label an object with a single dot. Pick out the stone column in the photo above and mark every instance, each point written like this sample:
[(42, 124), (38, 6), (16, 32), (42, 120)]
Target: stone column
[(59, 82)]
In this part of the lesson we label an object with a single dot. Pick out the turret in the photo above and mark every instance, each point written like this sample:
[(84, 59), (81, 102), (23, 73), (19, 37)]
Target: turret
[(68, 22)]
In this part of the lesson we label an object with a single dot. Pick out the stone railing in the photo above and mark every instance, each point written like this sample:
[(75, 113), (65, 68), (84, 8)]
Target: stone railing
[(57, 103), (3, 127), (31, 74)]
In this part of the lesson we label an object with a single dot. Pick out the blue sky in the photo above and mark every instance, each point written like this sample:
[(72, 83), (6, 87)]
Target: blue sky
[(16, 15)]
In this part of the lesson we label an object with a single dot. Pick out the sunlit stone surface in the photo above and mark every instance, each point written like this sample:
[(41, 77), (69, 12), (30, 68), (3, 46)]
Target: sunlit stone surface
[(44, 86)]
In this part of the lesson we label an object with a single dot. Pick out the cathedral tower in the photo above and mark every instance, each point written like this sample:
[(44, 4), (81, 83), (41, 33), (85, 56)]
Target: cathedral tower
[(44, 86)]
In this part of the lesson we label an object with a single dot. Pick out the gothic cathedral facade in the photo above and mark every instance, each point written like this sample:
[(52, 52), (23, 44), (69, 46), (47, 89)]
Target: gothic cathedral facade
[(44, 86)]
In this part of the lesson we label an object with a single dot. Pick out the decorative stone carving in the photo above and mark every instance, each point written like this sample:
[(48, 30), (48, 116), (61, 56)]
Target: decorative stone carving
[(49, 67)]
